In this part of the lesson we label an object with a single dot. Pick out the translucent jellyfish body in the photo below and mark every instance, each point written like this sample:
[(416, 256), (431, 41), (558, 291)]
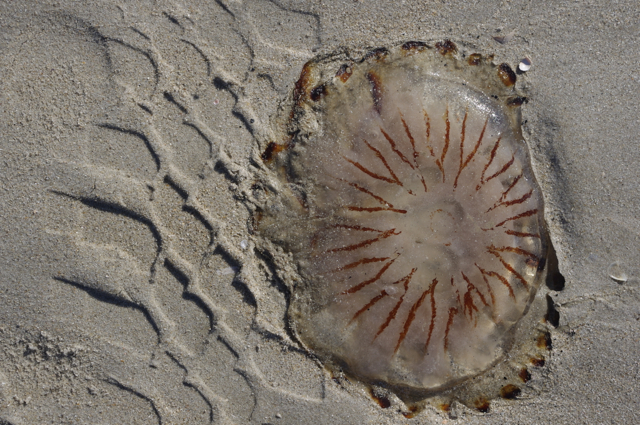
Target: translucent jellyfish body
[(411, 211)]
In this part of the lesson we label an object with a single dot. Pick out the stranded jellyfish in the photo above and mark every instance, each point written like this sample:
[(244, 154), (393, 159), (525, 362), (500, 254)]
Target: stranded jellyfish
[(411, 211)]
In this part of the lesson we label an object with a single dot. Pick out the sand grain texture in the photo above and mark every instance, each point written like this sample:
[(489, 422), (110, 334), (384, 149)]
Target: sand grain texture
[(132, 290)]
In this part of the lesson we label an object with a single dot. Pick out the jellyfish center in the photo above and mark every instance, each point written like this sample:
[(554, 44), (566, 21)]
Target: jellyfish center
[(439, 233)]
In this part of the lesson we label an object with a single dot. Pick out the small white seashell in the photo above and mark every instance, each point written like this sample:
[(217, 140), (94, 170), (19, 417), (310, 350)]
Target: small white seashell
[(525, 65)]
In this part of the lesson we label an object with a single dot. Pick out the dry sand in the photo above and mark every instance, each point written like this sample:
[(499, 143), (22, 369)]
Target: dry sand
[(131, 289)]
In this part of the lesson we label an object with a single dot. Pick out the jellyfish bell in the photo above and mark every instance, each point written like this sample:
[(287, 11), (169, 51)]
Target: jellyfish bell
[(411, 211)]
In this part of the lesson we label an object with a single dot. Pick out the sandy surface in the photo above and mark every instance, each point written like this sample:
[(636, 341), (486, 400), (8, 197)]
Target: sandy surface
[(131, 288)]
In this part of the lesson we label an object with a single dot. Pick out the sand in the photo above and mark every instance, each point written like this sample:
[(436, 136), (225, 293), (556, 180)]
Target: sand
[(132, 289)]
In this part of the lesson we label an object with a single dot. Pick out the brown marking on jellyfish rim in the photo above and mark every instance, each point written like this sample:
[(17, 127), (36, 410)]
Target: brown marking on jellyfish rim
[(447, 134), (318, 92), (509, 268), (367, 306), (473, 152), (376, 90), (524, 375), (353, 247), (301, 87), (474, 59), (432, 324), (516, 217), (521, 234), (271, 151), (482, 404), (544, 341), (506, 74), (411, 413), (446, 47), (410, 317), (445, 407), (517, 101), (392, 314), (361, 285), (393, 179), (361, 262), (413, 47), (382, 401), (498, 276), (510, 392), (376, 55), (395, 149), (452, 312), (344, 72), (491, 158), (537, 361)]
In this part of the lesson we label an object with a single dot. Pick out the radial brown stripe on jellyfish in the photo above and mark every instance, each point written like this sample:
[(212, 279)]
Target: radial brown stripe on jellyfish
[(419, 242)]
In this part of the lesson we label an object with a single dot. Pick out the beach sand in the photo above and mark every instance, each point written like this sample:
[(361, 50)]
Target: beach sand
[(131, 287)]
